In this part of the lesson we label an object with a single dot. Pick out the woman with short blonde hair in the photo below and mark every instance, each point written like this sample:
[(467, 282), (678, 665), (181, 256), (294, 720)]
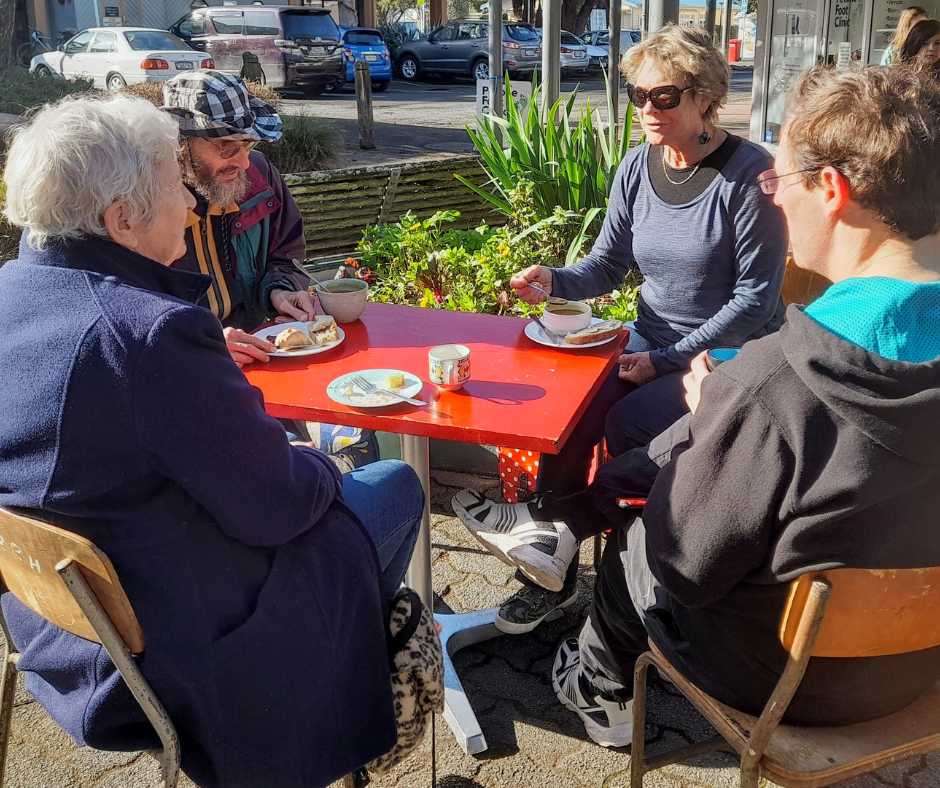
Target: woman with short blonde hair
[(686, 211)]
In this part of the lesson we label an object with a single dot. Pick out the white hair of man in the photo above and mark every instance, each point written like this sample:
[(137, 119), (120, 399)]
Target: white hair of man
[(75, 158)]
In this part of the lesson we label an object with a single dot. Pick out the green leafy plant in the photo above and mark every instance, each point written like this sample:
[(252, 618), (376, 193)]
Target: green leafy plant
[(571, 165), (21, 91)]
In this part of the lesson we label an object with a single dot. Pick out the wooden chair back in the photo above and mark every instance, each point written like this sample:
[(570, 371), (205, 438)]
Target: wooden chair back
[(31, 551), (869, 612), (801, 286)]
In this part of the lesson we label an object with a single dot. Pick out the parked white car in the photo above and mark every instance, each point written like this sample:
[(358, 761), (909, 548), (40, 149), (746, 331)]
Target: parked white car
[(117, 56), (598, 45), (574, 55)]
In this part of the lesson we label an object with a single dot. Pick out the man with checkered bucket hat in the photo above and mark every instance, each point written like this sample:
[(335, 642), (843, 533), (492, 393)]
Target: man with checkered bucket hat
[(246, 231)]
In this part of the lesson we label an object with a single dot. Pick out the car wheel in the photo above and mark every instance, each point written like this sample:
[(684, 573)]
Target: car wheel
[(43, 71), (409, 68), (116, 82), (481, 69), (380, 87)]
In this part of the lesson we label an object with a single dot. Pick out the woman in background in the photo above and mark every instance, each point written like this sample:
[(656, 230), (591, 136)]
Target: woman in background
[(909, 17)]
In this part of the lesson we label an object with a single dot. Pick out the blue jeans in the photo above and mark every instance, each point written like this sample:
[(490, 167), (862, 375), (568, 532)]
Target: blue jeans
[(387, 497)]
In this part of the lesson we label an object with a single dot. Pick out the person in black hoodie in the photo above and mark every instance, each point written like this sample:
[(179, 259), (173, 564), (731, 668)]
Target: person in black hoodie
[(817, 447)]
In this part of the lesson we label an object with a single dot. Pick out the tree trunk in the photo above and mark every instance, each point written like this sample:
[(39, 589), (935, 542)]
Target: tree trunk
[(8, 9), (576, 13)]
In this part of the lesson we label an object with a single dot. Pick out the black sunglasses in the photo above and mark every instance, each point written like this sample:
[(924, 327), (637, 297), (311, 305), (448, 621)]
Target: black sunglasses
[(662, 97)]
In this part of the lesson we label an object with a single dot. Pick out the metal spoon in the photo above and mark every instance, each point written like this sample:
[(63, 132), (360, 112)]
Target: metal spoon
[(551, 299)]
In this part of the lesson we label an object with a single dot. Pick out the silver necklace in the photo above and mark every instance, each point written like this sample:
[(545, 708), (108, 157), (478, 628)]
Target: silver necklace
[(686, 179)]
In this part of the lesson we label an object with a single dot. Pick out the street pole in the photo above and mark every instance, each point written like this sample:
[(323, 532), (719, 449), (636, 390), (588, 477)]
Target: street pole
[(710, 19), (661, 12), (726, 28), (613, 61), (551, 52), (496, 58)]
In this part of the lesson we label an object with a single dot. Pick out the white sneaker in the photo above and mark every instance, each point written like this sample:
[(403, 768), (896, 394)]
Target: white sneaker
[(607, 722), (542, 549)]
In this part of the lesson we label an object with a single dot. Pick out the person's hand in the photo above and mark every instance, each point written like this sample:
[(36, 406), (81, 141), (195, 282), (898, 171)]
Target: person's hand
[(692, 381), (636, 368), (540, 274), (292, 305), (245, 348)]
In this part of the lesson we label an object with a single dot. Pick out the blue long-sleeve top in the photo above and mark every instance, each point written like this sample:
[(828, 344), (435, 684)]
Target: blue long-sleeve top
[(712, 267)]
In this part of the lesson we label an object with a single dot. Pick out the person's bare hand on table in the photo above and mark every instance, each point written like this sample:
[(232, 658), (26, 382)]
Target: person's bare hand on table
[(636, 368), (292, 305), (245, 348), (539, 274)]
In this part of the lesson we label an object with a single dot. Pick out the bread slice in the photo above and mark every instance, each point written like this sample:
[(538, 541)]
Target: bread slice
[(323, 330), (596, 333), (292, 339)]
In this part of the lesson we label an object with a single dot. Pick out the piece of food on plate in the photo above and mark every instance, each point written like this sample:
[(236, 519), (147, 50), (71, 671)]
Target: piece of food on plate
[(323, 330), (395, 381), (292, 339), (596, 333)]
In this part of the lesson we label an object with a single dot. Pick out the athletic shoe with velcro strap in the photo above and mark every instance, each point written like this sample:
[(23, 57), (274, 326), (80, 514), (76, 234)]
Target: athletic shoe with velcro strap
[(607, 722), (521, 534)]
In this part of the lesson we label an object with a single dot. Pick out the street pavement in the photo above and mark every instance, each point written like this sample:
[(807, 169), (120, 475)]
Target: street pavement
[(429, 118)]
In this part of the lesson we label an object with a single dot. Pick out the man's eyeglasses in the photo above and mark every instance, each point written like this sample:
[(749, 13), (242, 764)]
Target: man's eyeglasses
[(769, 180), (662, 97), (229, 149)]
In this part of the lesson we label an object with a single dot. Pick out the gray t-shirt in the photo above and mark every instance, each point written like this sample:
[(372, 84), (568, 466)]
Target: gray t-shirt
[(712, 267)]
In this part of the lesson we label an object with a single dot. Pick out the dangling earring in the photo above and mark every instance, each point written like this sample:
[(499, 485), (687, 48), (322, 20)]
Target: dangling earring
[(704, 138)]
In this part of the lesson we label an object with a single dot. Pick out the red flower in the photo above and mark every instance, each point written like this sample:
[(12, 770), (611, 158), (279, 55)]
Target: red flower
[(352, 262)]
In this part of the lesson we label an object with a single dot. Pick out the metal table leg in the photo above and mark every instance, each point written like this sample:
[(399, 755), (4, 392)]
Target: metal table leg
[(457, 630)]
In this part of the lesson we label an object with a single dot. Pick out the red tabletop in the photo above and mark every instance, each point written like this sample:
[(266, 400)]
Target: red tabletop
[(521, 394)]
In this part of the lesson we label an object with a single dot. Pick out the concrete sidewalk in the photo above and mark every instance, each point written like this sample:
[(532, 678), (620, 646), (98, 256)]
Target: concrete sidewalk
[(533, 741)]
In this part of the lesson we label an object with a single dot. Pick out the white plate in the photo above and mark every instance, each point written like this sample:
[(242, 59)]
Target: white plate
[(272, 331), (534, 332), (345, 392)]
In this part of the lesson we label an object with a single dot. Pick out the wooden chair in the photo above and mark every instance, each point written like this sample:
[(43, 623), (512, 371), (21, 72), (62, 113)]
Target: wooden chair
[(65, 579), (839, 613)]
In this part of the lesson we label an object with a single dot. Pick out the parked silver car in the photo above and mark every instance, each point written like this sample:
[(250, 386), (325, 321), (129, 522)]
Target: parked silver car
[(574, 55), (460, 47), (598, 43)]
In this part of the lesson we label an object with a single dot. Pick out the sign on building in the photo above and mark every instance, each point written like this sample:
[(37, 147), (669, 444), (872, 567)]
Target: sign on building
[(521, 95)]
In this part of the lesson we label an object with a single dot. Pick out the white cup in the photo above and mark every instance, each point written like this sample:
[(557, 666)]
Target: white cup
[(345, 299), (449, 366)]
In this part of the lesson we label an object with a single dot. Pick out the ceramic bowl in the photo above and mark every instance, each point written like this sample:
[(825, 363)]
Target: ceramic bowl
[(345, 299), (568, 317)]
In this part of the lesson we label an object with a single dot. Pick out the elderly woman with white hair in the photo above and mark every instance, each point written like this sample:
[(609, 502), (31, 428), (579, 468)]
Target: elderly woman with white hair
[(686, 211), (261, 588)]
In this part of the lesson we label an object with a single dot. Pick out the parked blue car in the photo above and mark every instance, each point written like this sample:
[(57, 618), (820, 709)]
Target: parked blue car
[(366, 43)]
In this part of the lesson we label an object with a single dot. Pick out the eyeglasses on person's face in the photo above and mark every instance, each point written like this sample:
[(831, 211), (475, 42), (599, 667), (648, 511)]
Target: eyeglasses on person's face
[(769, 180), (662, 97), (229, 149)]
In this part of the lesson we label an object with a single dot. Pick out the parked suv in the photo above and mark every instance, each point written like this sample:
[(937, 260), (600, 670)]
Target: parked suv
[(460, 47), (297, 47)]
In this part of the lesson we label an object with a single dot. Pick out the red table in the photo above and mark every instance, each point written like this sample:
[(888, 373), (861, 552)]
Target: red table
[(521, 394)]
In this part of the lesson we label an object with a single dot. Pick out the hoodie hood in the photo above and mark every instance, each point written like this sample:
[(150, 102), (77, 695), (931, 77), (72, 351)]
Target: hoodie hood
[(894, 403)]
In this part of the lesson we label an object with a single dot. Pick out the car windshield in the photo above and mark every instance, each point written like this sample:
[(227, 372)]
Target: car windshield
[(154, 40), (363, 37), (300, 25), (521, 33)]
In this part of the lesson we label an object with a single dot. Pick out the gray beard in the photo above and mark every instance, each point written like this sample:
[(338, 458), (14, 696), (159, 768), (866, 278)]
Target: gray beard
[(220, 193)]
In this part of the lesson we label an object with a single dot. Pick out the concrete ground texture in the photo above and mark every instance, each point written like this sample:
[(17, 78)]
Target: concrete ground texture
[(533, 741)]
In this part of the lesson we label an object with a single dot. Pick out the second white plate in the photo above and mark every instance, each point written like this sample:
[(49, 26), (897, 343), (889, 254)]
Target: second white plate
[(534, 332)]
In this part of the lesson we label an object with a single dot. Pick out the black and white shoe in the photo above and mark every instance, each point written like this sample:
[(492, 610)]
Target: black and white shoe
[(531, 605), (520, 534), (607, 722)]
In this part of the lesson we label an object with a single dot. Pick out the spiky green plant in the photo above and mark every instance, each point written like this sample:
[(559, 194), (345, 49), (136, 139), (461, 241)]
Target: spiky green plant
[(570, 164)]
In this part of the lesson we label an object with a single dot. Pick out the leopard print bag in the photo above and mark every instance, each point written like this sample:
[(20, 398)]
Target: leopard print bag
[(417, 674)]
